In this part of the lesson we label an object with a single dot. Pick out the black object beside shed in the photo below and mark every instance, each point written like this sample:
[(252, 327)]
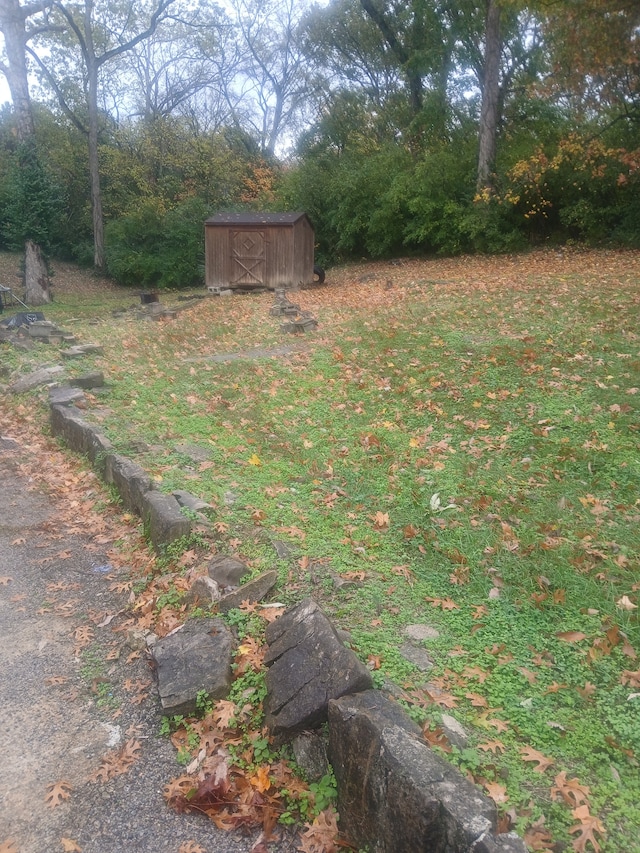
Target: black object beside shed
[(248, 251)]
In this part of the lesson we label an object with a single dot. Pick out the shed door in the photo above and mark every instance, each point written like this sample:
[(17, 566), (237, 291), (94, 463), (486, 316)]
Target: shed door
[(248, 251)]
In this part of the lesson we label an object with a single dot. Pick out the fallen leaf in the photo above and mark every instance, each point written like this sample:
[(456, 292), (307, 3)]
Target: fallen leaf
[(381, 520), (494, 746), (224, 712), (70, 846), (4, 580), (57, 793), (320, 836), (191, 847), (571, 636), (8, 846), (260, 780), (528, 753), (587, 826), (497, 792), (537, 837), (587, 691), (572, 792), (625, 603)]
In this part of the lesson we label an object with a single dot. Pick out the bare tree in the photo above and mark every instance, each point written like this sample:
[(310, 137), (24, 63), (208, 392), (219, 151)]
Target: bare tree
[(102, 31), (270, 85), (17, 26)]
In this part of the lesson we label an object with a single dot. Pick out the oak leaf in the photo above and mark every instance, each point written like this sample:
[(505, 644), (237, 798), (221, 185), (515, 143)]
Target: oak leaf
[(530, 754), (57, 793), (587, 826), (572, 792), (70, 846), (320, 836), (191, 847), (571, 636), (492, 746), (260, 780), (497, 792), (537, 837), (8, 846), (381, 520), (630, 678), (224, 712)]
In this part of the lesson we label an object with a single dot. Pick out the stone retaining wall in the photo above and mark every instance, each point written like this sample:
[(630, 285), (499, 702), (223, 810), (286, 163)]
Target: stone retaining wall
[(160, 512), (395, 794)]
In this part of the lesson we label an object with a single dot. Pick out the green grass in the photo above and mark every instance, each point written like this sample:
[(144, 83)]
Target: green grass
[(469, 456)]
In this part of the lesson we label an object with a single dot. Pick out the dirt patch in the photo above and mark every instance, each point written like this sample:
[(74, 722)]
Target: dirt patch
[(66, 278)]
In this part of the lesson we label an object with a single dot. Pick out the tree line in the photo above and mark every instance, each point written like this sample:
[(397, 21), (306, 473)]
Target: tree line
[(399, 126)]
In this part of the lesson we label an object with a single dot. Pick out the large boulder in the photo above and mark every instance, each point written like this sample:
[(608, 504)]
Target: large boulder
[(308, 666), (395, 795)]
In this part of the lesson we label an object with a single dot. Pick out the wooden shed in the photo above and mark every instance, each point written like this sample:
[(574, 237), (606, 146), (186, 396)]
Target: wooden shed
[(245, 251)]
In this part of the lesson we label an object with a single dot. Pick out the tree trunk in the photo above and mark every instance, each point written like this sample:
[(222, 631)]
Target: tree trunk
[(490, 91), (36, 278), (94, 171), (13, 25)]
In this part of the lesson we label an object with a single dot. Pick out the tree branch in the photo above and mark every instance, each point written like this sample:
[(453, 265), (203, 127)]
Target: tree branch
[(60, 96)]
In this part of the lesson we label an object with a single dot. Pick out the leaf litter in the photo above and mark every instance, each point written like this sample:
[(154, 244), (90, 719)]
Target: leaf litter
[(540, 286)]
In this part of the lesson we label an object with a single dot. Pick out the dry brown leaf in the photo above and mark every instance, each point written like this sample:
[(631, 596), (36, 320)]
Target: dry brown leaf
[(537, 837), (497, 792), (572, 792), (492, 746), (571, 636), (587, 826), (8, 846), (224, 712), (530, 754), (117, 762), (320, 836), (70, 846), (57, 792), (191, 847)]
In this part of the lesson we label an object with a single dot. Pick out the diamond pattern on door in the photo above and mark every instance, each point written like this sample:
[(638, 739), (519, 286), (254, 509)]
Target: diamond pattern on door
[(247, 257)]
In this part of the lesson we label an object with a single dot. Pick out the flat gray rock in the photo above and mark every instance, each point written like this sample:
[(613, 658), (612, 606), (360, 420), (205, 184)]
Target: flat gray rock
[(194, 452), (42, 376), (89, 380), (227, 571), (254, 590), (66, 396), (417, 656), (421, 632), (191, 502), (203, 592), (197, 657)]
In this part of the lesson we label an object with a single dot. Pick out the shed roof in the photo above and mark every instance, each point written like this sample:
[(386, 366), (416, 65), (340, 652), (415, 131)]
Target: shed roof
[(255, 218)]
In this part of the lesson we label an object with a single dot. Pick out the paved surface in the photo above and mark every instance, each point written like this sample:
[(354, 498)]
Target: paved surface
[(62, 710)]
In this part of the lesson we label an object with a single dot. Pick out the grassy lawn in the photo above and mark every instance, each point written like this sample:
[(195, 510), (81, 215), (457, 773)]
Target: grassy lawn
[(458, 441)]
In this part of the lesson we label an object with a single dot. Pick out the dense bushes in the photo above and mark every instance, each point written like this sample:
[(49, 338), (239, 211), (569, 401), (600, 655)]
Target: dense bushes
[(370, 190), (155, 247)]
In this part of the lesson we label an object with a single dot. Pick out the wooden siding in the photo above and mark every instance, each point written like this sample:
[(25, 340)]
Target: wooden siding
[(247, 251)]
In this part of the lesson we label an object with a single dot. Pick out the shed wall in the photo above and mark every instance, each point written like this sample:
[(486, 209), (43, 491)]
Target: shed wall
[(259, 254)]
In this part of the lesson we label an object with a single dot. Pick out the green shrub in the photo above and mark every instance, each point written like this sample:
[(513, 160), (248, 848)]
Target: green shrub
[(154, 247)]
